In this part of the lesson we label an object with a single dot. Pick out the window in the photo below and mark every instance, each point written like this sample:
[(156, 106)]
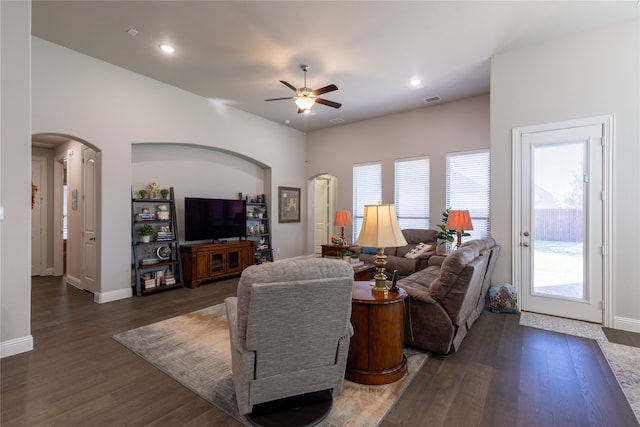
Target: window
[(412, 192), (468, 187), (367, 190)]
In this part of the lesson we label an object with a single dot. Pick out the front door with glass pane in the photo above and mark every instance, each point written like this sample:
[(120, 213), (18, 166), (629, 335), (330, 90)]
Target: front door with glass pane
[(561, 238)]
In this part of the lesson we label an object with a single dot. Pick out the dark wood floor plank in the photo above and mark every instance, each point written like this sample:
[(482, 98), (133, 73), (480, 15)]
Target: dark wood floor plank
[(504, 374), (617, 336)]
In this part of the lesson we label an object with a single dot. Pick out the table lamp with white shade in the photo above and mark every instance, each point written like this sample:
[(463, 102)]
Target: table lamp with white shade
[(380, 229)]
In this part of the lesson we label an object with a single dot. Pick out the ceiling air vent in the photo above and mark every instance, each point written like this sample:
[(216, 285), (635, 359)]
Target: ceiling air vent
[(337, 121), (432, 99)]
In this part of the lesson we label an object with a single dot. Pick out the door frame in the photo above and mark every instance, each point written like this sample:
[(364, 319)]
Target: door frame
[(42, 202), (59, 170), (332, 202), (607, 122)]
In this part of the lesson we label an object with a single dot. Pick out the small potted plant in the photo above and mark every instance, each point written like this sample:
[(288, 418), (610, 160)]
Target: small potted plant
[(145, 232), (143, 193), (355, 257), (164, 193)]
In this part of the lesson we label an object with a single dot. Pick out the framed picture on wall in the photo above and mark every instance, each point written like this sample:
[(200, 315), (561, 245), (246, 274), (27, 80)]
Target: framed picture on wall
[(288, 204)]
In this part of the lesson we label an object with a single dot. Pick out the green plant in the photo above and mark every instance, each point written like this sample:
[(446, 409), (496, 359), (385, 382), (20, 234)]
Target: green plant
[(146, 230), (164, 192), (346, 252), (355, 254), (143, 193)]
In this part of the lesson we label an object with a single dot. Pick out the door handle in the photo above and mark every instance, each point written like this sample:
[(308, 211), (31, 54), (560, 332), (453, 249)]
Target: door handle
[(525, 244), (93, 239), (526, 233)]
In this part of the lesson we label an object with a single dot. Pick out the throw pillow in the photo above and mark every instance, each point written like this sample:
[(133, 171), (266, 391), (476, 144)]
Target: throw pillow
[(503, 298), (370, 251), (420, 249)]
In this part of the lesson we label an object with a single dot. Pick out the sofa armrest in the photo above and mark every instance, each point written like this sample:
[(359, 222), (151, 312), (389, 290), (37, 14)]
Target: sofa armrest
[(436, 260), (422, 261)]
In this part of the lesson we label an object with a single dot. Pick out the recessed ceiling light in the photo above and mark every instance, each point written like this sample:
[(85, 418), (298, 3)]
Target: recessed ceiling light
[(166, 48), (416, 83), (132, 32)]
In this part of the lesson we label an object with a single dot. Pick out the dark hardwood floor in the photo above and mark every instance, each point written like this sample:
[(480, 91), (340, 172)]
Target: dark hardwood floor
[(504, 374)]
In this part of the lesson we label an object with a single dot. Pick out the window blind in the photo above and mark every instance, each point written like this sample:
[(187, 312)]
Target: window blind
[(367, 190), (468, 187), (412, 192)]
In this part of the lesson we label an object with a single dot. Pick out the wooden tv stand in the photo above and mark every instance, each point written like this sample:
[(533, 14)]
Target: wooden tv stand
[(211, 261)]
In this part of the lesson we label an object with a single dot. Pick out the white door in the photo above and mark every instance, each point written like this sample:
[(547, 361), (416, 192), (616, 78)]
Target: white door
[(561, 221), (321, 213), (38, 215), (89, 252)]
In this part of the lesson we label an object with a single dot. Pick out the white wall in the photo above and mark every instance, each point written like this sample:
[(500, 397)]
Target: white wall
[(15, 179), (113, 109), (587, 75), (431, 131)]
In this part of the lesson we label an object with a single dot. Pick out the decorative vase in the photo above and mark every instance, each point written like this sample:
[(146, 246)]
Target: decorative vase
[(146, 239)]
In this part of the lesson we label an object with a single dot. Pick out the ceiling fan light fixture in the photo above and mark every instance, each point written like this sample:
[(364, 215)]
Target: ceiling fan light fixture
[(304, 102), (167, 48)]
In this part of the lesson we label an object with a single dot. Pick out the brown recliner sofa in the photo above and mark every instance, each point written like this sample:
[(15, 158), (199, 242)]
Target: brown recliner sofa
[(448, 296), (396, 256)]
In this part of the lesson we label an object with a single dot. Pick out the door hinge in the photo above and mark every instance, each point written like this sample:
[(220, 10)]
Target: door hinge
[(602, 305), (586, 177)]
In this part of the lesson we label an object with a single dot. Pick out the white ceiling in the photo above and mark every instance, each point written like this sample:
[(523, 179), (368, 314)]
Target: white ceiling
[(237, 51)]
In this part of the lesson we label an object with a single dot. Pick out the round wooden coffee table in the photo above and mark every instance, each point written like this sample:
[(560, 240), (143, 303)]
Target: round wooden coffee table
[(376, 349)]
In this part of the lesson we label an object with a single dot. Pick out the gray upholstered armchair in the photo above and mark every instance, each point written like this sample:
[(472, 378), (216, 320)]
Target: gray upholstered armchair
[(290, 329)]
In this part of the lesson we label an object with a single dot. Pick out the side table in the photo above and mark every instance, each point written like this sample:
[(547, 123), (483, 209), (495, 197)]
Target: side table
[(333, 250), (376, 349), (365, 271)]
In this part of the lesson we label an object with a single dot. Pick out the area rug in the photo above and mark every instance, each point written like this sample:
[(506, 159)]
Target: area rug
[(623, 360), (194, 350)]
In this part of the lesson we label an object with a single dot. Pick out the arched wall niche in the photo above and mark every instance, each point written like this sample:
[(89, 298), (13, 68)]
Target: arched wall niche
[(197, 171)]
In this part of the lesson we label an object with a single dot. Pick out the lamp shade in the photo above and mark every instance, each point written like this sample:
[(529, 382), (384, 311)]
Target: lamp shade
[(459, 220), (342, 219), (380, 227)]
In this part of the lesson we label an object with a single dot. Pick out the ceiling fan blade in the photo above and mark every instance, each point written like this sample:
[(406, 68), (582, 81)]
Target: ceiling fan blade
[(328, 103), (329, 88), (278, 99), (289, 85)]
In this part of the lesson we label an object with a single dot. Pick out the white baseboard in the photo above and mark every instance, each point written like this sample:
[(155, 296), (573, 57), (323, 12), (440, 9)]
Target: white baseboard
[(16, 346), (102, 297), (73, 281), (626, 324)]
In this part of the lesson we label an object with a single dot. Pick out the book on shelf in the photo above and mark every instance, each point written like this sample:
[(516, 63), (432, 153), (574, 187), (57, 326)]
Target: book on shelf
[(145, 217), (163, 236)]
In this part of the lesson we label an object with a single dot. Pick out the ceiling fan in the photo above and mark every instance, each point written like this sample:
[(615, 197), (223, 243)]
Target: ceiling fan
[(305, 97)]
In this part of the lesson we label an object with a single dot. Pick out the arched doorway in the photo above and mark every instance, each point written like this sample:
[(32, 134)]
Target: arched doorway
[(72, 216)]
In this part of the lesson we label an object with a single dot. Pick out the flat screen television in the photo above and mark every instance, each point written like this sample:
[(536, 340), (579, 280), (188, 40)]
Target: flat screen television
[(212, 219)]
